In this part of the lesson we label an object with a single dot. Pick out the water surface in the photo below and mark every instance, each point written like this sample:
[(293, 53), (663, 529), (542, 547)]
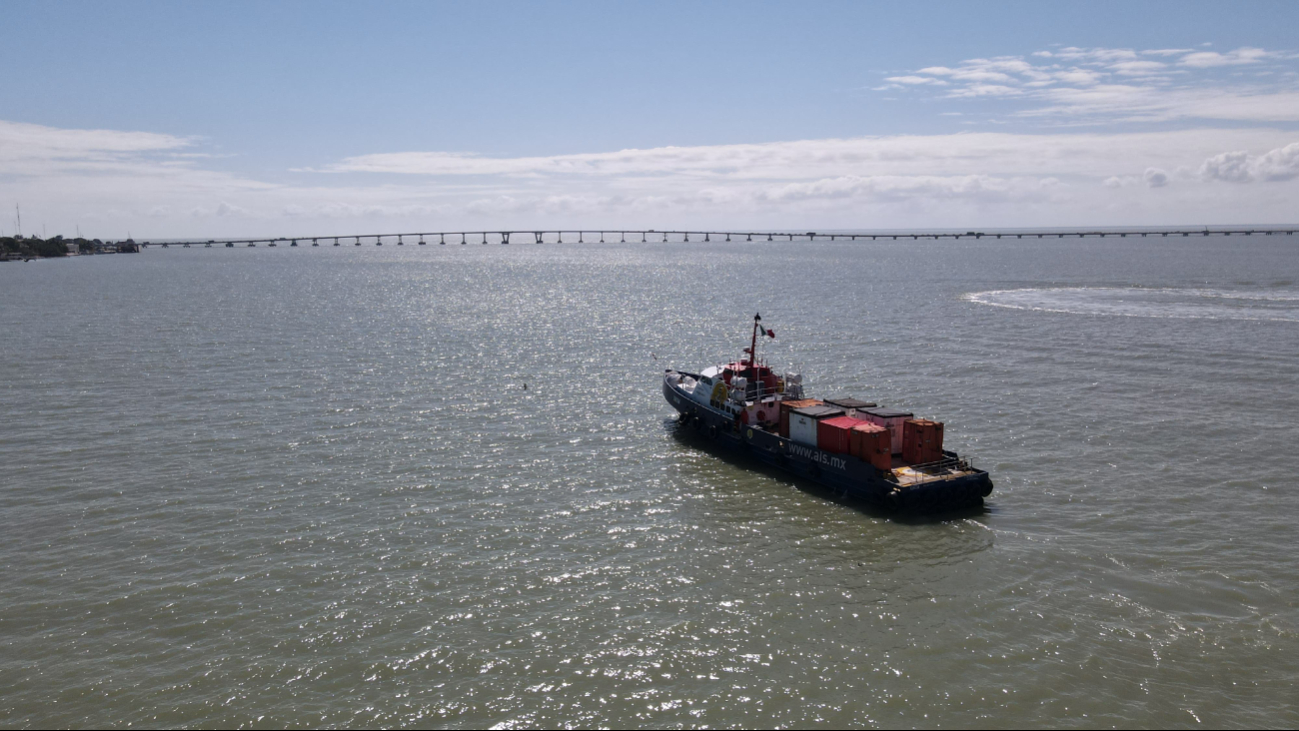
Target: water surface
[(273, 487)]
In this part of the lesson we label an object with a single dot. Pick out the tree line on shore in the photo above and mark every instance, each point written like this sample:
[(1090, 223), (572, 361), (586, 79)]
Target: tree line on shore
[(30, 247)]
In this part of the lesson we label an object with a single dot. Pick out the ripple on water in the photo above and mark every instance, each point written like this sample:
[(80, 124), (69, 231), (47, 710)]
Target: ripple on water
[(305, 487)]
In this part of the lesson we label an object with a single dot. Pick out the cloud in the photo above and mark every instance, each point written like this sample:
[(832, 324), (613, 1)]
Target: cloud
[(978, 90), (225, 209), (1138, 68), (1240, 167), (912, 80), (1210, 59), (971, 153), (893, 180), (20, 141), (1279, 164), (1107, 85)]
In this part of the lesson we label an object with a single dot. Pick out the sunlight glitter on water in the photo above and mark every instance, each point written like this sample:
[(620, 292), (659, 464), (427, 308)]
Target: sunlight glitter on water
[(305, 487)]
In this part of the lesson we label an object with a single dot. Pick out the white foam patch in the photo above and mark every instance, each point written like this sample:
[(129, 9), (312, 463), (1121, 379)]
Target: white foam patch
[(1186, 304)]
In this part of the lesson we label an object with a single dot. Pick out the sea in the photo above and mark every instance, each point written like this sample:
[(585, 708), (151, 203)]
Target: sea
[(439, 486)]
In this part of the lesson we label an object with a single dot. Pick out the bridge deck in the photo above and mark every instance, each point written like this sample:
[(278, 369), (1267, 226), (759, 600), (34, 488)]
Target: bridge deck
[(652, 235)]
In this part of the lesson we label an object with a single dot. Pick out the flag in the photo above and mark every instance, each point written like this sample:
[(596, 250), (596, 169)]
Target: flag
[(771, 333)]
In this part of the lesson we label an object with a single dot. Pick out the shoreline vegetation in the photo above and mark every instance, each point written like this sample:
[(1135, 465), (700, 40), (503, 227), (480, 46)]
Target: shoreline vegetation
[(26, 248)]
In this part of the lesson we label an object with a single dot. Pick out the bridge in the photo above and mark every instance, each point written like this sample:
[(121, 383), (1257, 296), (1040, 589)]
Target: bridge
[(582, 236)]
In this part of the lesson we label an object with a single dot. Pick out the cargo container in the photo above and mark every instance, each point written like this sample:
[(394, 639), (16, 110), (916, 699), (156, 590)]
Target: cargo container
[(834, 434), (870, 443), (891, 419), (848, 404), (922, 441), (803, 422), (786, 407)]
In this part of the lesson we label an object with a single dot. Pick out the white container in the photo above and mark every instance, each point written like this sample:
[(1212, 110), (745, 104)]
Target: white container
[(802, 429), (802, 422)]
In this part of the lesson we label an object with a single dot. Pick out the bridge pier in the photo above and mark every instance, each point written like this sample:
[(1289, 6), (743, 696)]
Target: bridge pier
[(505, 237), (399, 241), (295, 243), (421, 240), (624, 238)]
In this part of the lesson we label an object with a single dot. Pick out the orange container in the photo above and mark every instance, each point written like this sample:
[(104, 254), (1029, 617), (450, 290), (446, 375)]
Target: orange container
[(871, 443), (786, 407), (922, 441), (834, 435)]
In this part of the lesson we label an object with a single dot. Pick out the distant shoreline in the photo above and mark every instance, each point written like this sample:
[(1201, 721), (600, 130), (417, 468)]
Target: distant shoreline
[(24, 248)]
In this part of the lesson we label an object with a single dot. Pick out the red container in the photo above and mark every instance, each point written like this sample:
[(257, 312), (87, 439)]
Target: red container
[(835, 434), (922, 441), (872, 443)]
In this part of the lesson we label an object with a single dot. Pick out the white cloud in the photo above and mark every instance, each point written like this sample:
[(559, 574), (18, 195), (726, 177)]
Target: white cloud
[(978, 90), (1240, 167), (1106, 85), (1209, 59), (898, 180), (1138, 68), (912, 80), (1079, 76)]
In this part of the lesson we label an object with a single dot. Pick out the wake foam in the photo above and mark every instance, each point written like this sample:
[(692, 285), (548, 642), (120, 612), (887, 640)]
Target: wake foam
[(1175, 303)]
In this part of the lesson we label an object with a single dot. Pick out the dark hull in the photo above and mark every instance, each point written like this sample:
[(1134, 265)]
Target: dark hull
[(841, 473)]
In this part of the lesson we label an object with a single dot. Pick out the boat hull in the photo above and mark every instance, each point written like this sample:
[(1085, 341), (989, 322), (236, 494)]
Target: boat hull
[(840, 473)]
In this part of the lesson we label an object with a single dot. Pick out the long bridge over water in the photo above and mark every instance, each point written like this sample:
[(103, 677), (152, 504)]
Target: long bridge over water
[(582, 236)]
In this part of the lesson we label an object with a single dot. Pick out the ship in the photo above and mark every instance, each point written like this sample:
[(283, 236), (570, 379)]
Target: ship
[(857, 449)]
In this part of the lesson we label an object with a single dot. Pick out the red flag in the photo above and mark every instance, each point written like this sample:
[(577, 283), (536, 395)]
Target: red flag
[(771, 333)]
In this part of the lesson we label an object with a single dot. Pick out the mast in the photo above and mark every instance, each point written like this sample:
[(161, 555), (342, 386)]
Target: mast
[(753, 348)]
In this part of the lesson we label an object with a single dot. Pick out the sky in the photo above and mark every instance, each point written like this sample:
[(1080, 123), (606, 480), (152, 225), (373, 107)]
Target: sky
[(211, 120)]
